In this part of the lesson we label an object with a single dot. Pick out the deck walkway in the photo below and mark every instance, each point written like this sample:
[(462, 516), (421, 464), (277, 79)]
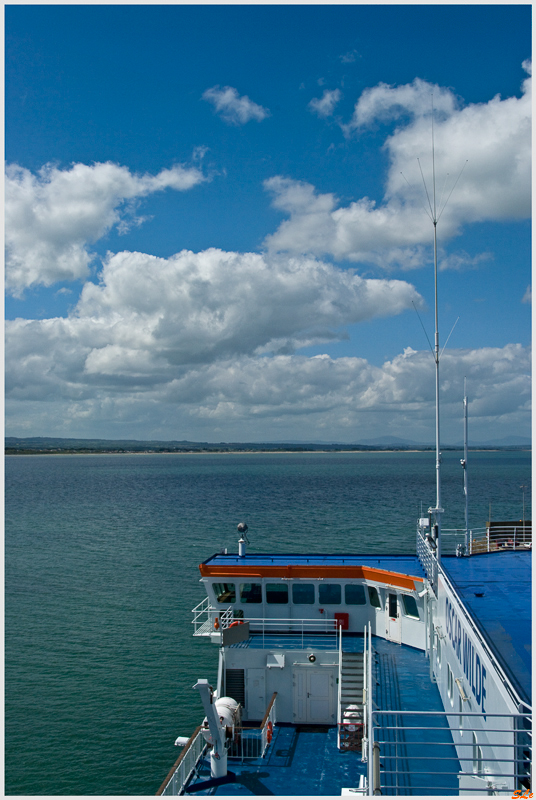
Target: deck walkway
[(304, 760)]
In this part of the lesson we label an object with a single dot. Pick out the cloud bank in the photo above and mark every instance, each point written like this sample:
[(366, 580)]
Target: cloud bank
[(203, 341)]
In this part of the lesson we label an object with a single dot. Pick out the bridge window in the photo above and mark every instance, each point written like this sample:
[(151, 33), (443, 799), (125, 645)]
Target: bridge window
[(374, 597), (225, 592), (277, 593), (303, 593), (410, 606), (329, 594), (354, 594), (250, 593)]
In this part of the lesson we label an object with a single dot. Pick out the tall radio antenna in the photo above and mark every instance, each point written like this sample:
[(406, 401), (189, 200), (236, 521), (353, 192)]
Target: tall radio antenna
[(435, 216)]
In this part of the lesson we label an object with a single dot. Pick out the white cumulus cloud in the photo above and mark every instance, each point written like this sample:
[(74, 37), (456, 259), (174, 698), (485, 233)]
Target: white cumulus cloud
[(200, 340), (232, 108), (69, 374), (53, 216), (487, 144)]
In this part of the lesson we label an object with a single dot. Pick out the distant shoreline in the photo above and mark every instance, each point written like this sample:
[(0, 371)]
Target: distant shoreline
[(260, 451)]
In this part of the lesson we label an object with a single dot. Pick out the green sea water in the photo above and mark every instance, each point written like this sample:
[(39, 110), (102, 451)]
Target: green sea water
[(101, 574)]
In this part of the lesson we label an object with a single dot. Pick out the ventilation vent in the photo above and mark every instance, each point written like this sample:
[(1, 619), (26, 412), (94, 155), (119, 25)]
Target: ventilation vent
[(234, 685)]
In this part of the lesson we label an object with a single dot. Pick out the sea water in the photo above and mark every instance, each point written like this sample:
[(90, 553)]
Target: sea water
[(101, 573)]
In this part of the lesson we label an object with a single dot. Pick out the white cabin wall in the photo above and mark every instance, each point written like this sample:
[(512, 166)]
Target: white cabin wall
[(280, 680)]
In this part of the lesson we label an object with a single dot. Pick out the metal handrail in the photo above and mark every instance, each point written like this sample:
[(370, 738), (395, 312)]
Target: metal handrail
[(181, 771), (399, 751), (267, 625), (339, 693), (245, 737), (486, 539)]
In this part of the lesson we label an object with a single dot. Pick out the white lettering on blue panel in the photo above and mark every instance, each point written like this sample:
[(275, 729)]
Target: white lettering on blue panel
[(467, 655)]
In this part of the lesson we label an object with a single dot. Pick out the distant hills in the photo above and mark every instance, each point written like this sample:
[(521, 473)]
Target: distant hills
[(510, 441), (46, 444)]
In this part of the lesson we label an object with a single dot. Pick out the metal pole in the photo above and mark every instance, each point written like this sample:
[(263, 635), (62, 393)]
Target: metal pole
[(465, 476), (436, 357), (523, 487), (376, 788)]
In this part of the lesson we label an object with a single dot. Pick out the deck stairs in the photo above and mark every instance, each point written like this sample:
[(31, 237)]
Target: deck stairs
[(351, 702)]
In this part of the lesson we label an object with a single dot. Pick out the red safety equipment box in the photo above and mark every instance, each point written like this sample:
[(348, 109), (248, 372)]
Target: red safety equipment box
[(342, 620)]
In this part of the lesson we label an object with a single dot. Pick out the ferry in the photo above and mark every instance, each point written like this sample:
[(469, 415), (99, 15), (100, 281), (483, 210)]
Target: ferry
[(369, 675), (377, 674)]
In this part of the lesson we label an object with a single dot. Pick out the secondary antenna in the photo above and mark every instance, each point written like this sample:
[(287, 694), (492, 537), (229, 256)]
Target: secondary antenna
[(464, 465)]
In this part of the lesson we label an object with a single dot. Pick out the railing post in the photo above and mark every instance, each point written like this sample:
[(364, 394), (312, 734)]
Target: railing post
[(376, 789), (488, 538)]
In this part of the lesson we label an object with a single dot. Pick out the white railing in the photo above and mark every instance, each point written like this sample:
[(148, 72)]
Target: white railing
[(367, 690), (185, 766), (208, 620), (204, 617), (252, 743), (428, 560), (247, 743), (271, 626), (424, 752), (458, 541), (339, 693)]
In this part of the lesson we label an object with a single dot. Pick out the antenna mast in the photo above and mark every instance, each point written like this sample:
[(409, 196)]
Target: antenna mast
[(464, 464), (437, 511)]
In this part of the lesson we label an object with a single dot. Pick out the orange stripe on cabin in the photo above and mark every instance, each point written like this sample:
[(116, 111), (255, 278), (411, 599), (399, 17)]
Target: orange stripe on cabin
[(312, 572)]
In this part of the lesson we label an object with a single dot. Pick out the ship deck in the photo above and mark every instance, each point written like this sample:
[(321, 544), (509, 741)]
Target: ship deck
[(304, 759), (496, 589)]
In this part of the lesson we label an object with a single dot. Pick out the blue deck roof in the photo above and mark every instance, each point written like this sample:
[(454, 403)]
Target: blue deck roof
[(406, 565), (503, 613)]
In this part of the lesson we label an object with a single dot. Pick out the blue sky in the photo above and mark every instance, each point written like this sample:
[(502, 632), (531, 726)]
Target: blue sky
[(215, 226)]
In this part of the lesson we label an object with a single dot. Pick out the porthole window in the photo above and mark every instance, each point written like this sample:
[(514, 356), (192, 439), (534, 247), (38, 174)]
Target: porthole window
[(277, 593), (250, 593), (354, 594), (374, 597), (329, 594), (225, 592), (303, 593), (410, 606)]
